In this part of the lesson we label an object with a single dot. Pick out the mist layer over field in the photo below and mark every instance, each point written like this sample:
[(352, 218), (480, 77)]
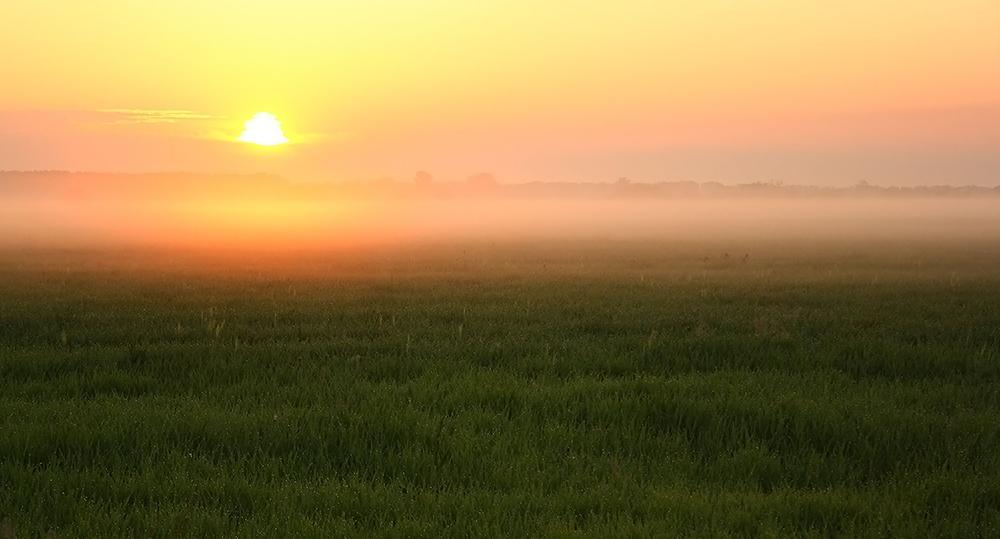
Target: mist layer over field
[(259, 212)]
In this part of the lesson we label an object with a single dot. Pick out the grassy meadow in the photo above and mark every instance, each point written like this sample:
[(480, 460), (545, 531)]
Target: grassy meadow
[(544, 388)]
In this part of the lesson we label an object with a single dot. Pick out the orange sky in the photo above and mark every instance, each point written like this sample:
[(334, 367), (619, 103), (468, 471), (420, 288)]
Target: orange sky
[(893, 92)]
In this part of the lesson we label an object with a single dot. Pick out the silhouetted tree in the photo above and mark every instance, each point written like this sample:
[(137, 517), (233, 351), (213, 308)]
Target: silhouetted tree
[(423, 179)]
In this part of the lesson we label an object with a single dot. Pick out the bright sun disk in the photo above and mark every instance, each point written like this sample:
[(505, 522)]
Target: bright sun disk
[(263, 129)]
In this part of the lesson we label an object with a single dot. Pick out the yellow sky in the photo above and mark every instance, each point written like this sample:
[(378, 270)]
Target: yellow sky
[(803, 92)]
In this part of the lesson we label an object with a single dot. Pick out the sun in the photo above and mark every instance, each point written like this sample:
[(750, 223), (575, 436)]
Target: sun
[(263, 129)]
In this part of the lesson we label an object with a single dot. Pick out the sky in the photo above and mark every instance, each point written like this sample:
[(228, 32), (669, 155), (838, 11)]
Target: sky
[(891, 92)]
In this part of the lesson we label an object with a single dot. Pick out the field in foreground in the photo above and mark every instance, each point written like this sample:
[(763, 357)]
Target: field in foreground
[(557, 389)]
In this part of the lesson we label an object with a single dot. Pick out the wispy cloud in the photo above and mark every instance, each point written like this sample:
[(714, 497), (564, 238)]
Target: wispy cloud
[(156, 116)]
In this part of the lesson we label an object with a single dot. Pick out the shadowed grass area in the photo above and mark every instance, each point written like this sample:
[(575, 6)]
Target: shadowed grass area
[(557, 389)]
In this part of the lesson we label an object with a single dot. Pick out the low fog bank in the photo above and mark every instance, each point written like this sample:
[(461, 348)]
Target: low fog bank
[(267, 212), (276, 224)]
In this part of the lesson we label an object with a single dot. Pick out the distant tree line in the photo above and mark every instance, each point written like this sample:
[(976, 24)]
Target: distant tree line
[(423, 184)]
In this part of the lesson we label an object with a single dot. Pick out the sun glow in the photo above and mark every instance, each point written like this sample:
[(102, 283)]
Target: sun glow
[(263, 129)]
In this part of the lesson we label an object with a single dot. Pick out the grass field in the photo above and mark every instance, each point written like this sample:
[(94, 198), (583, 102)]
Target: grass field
[(591, 388)]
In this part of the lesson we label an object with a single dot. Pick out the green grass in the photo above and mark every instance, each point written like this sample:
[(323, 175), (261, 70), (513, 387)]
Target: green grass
[(559, 389)]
